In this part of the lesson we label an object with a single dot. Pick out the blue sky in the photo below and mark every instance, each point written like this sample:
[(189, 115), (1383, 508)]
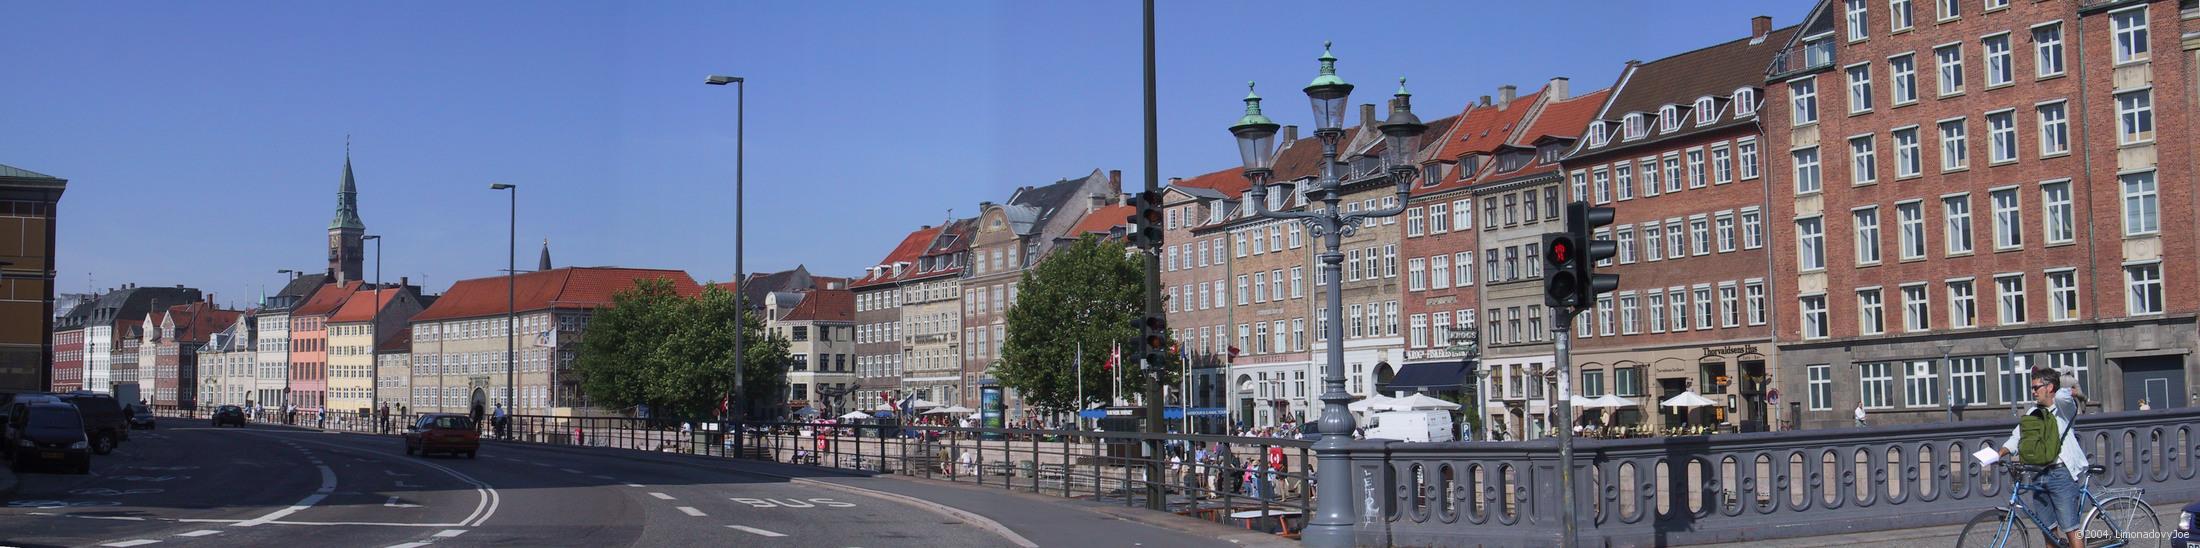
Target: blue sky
[(204, 141)]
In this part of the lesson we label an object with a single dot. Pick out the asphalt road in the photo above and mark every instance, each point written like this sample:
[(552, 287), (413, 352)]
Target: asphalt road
[(189, 484)]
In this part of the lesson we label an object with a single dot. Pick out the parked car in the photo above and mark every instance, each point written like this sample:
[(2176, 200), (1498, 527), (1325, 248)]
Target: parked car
[(104, 423), (141, 417), (2185, 527), (44, 432), (229, 414), (447, 433), (18, 403)]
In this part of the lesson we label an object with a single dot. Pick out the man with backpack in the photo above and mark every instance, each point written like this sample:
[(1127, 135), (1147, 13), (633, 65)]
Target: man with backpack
[(2044, 437)]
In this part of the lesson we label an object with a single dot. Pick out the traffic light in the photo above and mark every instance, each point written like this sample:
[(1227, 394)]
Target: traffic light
[(1153, 339), (1145, 220), (1581, 223), (1561, 290)]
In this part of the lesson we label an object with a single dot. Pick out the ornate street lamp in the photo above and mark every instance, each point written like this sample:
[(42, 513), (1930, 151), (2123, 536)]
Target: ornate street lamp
[(1331, 524)]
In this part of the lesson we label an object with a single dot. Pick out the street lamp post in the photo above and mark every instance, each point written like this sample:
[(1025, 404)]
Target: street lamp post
[(2010, 368), (374, 333), (1947, 376), (286, 363), (1468, 343), (1332, 521), (741, 312), (511, 300)]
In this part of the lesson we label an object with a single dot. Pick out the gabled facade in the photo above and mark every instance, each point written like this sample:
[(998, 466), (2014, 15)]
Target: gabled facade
[(931, 316), (309, 344), (462, 349), (880, 356), (1273, 378), (356, 331), (173, 339), (820, 330), (272, 374), (1009, 238), (68, 346), (1195, 269), (112, 330), (228, 364)]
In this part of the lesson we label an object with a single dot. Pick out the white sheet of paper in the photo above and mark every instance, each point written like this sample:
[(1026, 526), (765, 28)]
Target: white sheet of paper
[(1987, 456)]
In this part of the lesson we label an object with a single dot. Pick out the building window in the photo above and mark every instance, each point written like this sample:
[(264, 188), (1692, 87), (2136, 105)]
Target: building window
[(1622, 177), (1806, 171), (1438, 218), (1950, 9), (1875, 382), (1603, 189), (1725, 221), (1855, 18), (1967, 377), (1745, 152), (2130, 29), (1703, 307), (1955, 152), (1863, 161), (2047, 47), (2144, 282), (1814, 316), (2135, 116), (1676, 302), (2054, 129), (1906, 161), (2001, 131), (1811, 239), (1695, 168), (2008, 219), (1821, 387), (1916, 309), (1672, 172), (1657, 312), (1628, 308), (1962, 304), (2141, 209), (1950, 62), (1803, 93), (1860, 88), (1910, 216), (1699, 235), (2000, 69), (1870, 313), (1867, 235), (1626, 245), (1923, 385), (2010, 291), (1958, 212), (1416, 275), (1730, 306), (1753, 231), (2062, 293)]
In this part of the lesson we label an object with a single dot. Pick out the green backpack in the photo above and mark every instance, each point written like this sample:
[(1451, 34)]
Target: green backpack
[(2039, 444)]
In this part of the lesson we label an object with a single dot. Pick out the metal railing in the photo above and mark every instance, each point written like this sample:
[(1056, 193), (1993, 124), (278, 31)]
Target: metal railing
[(1809, 54), (1736, 487)]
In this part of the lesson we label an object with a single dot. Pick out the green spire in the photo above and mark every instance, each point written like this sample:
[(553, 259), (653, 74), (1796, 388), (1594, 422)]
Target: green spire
[(1402, 93), (1328, 76), (1252, 109), (347, 199)]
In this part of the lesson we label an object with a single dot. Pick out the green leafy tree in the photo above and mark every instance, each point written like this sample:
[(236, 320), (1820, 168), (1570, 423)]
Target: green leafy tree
[(1083, 295), (653, 346)]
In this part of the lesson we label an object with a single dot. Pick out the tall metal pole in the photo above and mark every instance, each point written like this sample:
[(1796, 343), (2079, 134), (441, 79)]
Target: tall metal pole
[(1155, 486), (511, 305), (1562, 333), (375, 332)]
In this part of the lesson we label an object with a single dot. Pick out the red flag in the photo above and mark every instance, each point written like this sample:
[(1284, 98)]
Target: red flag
[(1115, 353)]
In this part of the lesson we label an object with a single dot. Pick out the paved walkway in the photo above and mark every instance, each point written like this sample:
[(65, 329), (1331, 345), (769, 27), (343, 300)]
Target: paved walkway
[(1927, 537)]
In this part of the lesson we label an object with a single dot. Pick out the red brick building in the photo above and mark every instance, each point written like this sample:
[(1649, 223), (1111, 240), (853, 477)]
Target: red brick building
[(1195, 270), (1963, 183)]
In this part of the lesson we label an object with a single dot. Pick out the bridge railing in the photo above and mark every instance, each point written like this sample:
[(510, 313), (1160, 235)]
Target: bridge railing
[(1736, 487)]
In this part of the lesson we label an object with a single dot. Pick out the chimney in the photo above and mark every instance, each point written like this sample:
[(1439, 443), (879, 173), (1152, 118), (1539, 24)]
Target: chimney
[(1290, 135), (1115, 180), (1485, 100), (1558, 89), (1174, 180), (404, 282), (1095, 202), (1759, 26), (1505, 95), (1367, 115)]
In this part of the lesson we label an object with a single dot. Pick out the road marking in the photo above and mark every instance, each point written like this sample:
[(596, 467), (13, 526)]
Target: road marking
[(448, 533), (754, 530), (114, 518), (483, 510), (660, 496), (569, 470), (198, 533), (137, 542), (690, 510), (393, 503), (634, 485), (328, 485), (409, 545)]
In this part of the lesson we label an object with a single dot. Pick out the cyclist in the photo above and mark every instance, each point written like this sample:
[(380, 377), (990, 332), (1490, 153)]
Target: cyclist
[(2044, 437)]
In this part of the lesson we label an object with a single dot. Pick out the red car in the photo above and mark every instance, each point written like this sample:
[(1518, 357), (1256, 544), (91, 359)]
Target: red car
[(453, 434)]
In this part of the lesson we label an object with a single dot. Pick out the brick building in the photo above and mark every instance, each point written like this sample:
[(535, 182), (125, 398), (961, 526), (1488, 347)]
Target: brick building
[(879, 356), (1194, 273), (931, 316), (1268, 337)]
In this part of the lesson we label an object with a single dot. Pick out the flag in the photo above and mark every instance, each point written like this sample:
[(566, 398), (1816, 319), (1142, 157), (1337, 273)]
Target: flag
[(547, 338), (1233, 354), (1115, 354)]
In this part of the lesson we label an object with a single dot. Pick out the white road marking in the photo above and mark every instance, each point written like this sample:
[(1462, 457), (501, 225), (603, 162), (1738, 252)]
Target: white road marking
[(661, 496), (115, 518), (393, 503), (198, 533), (483, 510), (747, 529), (569, 471), (409, 545), (448, 533), (137, 542), (328, 485), (690, 510), (634, 485)]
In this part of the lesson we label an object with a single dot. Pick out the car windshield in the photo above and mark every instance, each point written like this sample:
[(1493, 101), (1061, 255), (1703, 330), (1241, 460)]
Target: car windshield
[(55, 418), (452, 421)]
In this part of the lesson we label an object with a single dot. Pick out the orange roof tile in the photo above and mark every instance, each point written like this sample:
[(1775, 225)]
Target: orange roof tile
[(912, 247), (326, 299), (824, 305), (1229, 181), (1102, 220), (197, 322), (570, 287), (362, 310)]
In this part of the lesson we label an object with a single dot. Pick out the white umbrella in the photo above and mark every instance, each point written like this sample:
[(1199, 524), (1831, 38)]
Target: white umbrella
[(952, 410), (1688, 399), (1371, 403), (1584, 403), (1612, 401), (853, 415), (1423, 401)]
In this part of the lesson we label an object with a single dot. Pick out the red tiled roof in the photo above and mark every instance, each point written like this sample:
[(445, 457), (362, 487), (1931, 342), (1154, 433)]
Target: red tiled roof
[(1304, 157), (197, 322), (400, 343), (571, 287), (1229, 181), (1101, 220), (825, 305), (362, 310), (326, 299), (1486, 127), (912, 246), (1569, 118)]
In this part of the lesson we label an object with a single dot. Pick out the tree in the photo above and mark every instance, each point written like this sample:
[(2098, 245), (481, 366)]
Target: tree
[(654, 347), (1083, 295)]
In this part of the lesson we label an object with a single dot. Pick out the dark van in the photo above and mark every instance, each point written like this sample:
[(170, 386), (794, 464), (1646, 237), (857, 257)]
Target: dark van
[(104, 425), (48, 432)]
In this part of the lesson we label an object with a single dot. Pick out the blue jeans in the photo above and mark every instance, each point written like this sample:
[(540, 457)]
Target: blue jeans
[(2057, 498)]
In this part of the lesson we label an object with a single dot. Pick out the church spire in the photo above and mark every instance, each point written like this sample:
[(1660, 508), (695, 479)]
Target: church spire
[(347, 198), (545, 262)]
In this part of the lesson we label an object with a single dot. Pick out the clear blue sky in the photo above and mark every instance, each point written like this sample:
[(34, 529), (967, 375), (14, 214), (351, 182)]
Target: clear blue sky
[(204, 141)]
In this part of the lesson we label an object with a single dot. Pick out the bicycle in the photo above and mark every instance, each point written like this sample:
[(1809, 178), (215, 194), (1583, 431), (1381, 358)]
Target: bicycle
[(2111, 523)]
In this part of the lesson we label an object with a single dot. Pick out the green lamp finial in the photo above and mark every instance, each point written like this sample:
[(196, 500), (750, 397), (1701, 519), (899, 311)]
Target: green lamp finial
[(1328, 76), (1252, 108), (1402, 88)]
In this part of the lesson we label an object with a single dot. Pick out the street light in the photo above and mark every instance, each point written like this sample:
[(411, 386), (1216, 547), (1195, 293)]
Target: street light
[(374, 338), (1332, 521), (1947, 375), (293, 273), (741, 312), (1467, 342), (511, 300), (2010, 368)]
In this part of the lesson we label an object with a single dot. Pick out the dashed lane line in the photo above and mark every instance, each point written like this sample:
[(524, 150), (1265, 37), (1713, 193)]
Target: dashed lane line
[(448, 533), (409, 545), (690, 510), (198, 533), (634, 485), (660, 496), (133, 542), (569, 471), (754, 531)]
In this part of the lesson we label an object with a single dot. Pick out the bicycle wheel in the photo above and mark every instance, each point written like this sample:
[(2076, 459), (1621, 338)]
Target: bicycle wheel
[(2125, 519), (1994, 529)]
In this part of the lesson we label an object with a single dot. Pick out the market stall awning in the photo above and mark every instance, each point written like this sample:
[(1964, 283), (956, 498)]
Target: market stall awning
[(1435, 376)]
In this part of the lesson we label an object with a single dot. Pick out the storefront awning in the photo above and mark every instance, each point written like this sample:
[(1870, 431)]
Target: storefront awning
[(1437, 376)]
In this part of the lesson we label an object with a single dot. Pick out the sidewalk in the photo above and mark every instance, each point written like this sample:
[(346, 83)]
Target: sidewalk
[(1927, 537)]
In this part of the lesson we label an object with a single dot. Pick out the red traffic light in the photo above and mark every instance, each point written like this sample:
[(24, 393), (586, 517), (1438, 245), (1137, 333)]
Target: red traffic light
[(1560, 252)]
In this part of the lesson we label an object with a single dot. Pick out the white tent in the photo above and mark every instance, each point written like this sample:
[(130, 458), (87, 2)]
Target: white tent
[(1422, 401), (1371, 404), (1581, 403), (954, 410), (1612, 401), (853, 415), (1688, 399)]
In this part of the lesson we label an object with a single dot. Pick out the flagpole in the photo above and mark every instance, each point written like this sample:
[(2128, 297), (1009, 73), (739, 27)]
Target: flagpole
[(1079, 417)]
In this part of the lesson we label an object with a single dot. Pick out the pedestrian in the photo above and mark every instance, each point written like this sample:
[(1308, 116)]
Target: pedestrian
[(498, 420), (2145, 405), (2043, 437), (1859, 415), (384, 418)]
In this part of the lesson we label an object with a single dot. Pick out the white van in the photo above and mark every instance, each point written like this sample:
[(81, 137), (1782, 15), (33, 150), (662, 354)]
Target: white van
[(1416, 426)]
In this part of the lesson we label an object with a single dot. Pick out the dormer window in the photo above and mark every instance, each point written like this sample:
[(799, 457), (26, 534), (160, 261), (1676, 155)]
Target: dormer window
[(1745, 102), (1634, 125), (1706, 111), (1431, 173), (1598, 134), (1473, 162), (1549, 152), (1669, 118), (1276, 198)]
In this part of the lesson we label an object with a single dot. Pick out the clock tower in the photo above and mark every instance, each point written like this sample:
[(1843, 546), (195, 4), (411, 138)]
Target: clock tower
[(345, 257)]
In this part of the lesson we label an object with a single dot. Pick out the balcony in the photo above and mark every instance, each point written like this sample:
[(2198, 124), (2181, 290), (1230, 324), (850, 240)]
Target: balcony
[(1814, 53)]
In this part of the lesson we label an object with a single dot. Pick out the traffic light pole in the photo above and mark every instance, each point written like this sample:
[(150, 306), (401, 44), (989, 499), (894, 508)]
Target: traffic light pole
[(1155, 482), (1562, 334)]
